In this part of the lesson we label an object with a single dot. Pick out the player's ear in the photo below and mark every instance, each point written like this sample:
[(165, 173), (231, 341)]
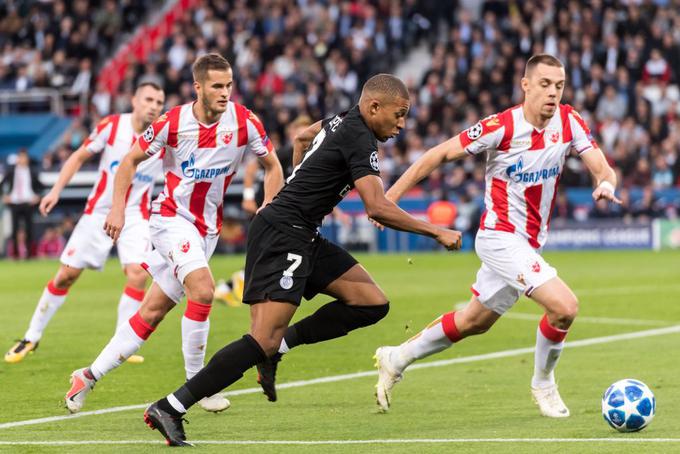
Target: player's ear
[(197, 86), (524, 84), (374, 106)]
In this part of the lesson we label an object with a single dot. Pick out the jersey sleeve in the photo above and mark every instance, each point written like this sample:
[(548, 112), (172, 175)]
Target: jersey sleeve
[(258, 140), (96, 141), (361, 155), (582, 139), (154, 139), (483, 136)]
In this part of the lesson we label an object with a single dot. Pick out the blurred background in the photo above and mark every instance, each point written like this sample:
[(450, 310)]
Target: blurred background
[(64, 65)]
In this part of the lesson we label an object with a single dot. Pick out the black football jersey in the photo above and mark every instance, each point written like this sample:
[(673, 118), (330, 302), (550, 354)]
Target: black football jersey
[(342, 152)]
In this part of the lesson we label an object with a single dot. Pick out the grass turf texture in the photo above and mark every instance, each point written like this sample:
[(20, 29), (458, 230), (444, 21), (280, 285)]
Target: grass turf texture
[(485, 399)]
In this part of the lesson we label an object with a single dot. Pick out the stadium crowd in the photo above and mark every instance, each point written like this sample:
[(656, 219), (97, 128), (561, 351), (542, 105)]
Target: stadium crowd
[(293, 57)]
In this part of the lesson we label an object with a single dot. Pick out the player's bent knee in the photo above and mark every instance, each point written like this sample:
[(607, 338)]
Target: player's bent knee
[(564, 314), (370, 315)]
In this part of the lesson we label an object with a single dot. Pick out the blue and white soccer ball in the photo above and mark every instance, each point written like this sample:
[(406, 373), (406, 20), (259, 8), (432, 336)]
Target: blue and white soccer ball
[(628, 405)]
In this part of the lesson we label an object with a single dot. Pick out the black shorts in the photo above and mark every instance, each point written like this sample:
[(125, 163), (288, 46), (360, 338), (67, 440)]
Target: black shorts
[(283, 267)]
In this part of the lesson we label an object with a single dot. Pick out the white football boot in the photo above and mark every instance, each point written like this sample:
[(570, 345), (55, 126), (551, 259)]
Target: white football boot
[(388, 376), (80, 387), (549, 402), (215, 403)]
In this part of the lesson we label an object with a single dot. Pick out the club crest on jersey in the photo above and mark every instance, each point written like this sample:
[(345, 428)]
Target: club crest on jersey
[(184, 246), (227, 136), (374, 161), (149, 134), (536, 267), (190, 171)]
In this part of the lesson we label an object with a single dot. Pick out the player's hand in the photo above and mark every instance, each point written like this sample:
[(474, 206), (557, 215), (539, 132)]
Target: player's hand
[(450, 239), (605, 193), (114, 223), (48, 202), (249, 206)]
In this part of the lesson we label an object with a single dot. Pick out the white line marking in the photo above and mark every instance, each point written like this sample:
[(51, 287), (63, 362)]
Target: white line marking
[(350, 442), (343, 377)]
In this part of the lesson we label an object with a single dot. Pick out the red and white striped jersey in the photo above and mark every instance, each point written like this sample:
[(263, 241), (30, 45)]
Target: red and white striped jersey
[(114, 137), (200, 160), (523, 167)]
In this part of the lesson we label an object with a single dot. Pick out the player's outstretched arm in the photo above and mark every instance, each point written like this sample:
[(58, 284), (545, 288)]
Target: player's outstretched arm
[(70, 167), (603, 174), (387, 213), (124, 175), (273, 177), (450, 150), (302, 141)]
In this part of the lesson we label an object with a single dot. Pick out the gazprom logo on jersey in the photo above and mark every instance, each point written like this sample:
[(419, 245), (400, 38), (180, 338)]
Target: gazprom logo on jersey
[(515, 172), (189, 171), (142, 178)]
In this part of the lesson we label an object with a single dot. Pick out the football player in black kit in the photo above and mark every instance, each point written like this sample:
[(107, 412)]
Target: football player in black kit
[(287, 258)]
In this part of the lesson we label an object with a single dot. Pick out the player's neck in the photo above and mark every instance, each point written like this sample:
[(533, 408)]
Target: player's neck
[(138, 126), (534, 118), (203, 115)]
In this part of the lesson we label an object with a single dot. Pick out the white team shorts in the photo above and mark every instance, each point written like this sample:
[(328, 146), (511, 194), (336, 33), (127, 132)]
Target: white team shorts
[(178, 250), (89, 246), (510, 267)]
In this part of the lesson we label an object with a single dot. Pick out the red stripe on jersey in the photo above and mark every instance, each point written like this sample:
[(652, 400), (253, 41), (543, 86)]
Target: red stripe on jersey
[(103, 123), (567, 135), (241, 118), (532, 197), (488, 125), (207, 137), (509, 124), (101, 187), (220, 209), (552, 203), (197, 205), (114, 129), (168, 205), (499, 197), (173, 119), (144, 205), (537, 141), (481, 220)]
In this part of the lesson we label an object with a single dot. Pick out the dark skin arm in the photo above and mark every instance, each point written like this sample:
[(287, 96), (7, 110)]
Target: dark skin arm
[(387, 213)]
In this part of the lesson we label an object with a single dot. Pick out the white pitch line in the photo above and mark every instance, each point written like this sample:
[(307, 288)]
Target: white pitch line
[(336, 378), (348, 442)]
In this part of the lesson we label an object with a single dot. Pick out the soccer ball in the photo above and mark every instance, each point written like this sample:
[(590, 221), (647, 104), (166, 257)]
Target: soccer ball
[(628, 405)]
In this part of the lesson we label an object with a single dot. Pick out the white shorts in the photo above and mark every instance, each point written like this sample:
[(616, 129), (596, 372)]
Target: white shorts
[(178, 250), (89, 246), (510, 267)]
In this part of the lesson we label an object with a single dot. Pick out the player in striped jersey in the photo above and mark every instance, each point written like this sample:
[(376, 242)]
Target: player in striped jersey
[(204, 143), (89, 246), (526, 147)]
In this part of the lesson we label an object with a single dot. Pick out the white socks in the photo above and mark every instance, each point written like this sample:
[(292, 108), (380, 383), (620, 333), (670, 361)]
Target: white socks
[(195, 330), (129, 303), (435, 337), (128, 339), (549, 345), (52, 298)]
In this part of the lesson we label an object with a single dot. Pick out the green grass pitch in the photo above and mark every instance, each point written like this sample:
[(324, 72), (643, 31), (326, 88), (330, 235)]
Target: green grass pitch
[(619, 292)]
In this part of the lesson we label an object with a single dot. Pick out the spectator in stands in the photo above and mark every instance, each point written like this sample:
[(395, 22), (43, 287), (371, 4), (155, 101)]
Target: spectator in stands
[(51, 244), (21, 191)]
